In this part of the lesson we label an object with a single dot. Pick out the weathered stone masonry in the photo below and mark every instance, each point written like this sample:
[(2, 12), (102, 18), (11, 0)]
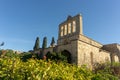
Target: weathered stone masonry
[(82, 49)]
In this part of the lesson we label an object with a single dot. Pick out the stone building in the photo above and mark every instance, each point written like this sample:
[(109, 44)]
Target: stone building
[(79, 48)]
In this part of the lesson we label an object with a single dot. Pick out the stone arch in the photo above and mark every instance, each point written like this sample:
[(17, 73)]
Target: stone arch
[(68, 55), (112, 56)]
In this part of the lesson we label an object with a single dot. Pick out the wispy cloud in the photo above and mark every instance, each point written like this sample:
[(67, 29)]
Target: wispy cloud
[(15, 40), (20, 40), (16, 43)]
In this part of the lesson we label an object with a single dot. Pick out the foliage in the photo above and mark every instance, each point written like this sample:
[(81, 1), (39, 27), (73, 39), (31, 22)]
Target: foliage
[(26, 66), (37, 44), (107, 70), (33, 69), (44, 45), (25, 56), (52, 42), (115, 69), (8, 53), (56, 57)]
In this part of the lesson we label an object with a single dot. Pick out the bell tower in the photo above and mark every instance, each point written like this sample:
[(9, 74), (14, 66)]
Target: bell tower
[(70, 28)]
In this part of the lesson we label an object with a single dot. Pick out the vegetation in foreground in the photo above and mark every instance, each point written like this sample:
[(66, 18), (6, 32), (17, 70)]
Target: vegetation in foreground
[(13, 67)]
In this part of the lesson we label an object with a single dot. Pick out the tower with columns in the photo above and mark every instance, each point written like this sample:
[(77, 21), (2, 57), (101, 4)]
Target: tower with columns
[(69, 32), (72, 26), (78, 48)]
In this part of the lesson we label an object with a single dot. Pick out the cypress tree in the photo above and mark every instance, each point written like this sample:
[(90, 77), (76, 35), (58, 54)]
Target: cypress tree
[(52, 42), (37, 44), (44, 45)]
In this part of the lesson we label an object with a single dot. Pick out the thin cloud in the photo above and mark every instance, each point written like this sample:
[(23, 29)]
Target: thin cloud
[(15, 40)]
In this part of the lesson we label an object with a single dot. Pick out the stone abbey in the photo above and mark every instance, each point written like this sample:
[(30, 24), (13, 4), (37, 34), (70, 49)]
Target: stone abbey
[(79, 48)]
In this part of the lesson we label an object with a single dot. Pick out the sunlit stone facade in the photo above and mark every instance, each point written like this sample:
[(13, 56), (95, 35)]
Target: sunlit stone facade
[(81, 49)]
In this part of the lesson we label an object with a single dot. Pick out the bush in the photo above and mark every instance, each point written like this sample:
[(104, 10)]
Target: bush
[(25, 56), (33, 69), (28, 67), (107, 69), (56, 57), (15, 69), (8, 53)]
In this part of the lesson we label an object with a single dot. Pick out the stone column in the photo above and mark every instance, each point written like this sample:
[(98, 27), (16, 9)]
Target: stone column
[(63, 30), (59, 33), (81, 28), (67, 29), (71, 27), (74, 26), (79, 24)]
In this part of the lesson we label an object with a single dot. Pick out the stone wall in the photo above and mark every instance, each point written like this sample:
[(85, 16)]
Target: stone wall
[(90, 41), (71, 26), (116, 58), (88, 54), (50, 49), (83, 50), (71, 48), (114, 49)]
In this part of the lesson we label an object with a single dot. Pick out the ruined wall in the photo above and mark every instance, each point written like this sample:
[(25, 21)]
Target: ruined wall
[(114, 49), (83, 50), (50, 49), (91, 54), (116, 58), (90, 41)]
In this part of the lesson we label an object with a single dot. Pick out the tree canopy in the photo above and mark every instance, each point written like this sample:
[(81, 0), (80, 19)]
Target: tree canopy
[(37, 44), (52, 42), (44, 45)]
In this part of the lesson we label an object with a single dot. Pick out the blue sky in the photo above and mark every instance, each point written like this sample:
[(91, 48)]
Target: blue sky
[(21, 21)]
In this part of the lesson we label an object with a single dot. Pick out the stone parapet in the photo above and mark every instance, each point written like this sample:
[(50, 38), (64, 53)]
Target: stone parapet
[(89, 41)]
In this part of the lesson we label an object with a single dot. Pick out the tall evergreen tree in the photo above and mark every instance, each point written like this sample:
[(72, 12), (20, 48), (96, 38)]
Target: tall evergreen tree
[(52, 42), (37, 44), (44, 45)]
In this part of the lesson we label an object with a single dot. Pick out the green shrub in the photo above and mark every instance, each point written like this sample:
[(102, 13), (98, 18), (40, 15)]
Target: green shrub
[(56, 57), (33, 69)]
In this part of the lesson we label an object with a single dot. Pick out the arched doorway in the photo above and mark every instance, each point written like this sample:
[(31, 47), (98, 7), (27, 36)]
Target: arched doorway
[(68, 55)]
